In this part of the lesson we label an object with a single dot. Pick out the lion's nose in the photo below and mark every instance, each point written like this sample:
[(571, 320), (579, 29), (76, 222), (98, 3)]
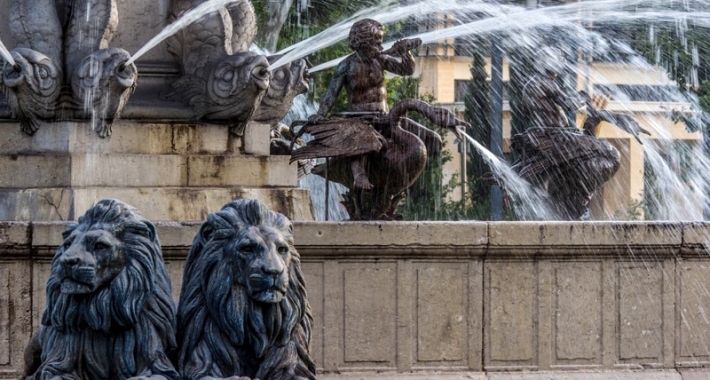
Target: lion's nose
[(70, 261), (272, 266), (272, 269)]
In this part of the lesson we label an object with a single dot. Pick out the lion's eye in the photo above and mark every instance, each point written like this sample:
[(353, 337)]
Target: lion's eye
[(247, 248), (283, 250), (100, 246), (67, 243)]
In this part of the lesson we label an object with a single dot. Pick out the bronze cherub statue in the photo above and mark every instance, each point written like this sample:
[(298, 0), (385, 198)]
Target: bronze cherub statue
[(377, 154)]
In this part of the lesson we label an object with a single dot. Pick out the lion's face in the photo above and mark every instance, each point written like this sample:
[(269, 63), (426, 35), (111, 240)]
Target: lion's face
[(262, 257), (90, 259)]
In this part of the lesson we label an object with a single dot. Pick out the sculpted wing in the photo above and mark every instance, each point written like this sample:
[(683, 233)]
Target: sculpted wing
[(340, 138), (624, 122)]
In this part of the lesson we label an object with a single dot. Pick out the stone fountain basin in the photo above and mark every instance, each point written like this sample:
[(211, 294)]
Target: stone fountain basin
[(456, 300)]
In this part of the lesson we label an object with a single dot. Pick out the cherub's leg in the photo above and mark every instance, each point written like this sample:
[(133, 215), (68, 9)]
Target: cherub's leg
[(361, 181)]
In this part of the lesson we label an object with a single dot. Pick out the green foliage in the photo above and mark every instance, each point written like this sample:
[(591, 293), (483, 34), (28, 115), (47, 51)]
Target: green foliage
[(429, 198), (478, 111)]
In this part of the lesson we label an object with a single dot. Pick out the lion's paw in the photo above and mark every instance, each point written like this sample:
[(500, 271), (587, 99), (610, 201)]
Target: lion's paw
[(153, 377)]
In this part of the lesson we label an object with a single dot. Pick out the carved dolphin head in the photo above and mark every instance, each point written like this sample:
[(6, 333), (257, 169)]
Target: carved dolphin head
[(32, 86), (287, 82), (235, 86), (101, 85)]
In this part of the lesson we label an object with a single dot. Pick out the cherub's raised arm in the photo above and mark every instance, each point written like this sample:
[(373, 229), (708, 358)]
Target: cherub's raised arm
[(398, 59)]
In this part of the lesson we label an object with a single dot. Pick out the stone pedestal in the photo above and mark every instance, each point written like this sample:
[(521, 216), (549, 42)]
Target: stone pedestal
[(169, 171)]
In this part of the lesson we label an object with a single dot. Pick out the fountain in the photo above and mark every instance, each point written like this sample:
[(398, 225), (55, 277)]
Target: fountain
[(164, 162), (528, 300)]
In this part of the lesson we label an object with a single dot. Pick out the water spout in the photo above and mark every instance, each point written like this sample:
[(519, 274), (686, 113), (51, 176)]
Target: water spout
[(7, 56), (185, 20)]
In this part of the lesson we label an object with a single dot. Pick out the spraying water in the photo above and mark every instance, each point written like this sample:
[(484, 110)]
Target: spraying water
[(185, 20), (6, 55), (384, 15), (511, 19), (529, 201)]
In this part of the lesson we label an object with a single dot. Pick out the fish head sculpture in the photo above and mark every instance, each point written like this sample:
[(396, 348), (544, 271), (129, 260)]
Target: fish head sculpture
[(102, 84), (287, 82), (32, 87), (235, 87)]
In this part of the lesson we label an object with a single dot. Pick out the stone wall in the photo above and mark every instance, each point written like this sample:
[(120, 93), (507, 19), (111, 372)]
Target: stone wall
[(457, 300)]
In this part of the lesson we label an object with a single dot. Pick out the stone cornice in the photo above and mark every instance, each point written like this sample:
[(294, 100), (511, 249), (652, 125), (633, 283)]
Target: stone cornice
[(393, 240)]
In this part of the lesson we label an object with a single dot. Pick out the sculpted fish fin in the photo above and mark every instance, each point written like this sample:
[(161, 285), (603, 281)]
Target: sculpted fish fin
[(188, 87), (29, 126)]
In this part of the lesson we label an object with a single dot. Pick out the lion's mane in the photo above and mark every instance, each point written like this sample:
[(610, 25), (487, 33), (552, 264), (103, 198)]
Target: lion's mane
[(222, 331), (123, 329)]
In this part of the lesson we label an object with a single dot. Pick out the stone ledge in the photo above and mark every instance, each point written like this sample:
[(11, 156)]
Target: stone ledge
[(14, 234), (404, 376), (468, 234), (600, 375), (589, 237), (561, 375), (393, 240), (129, 137)]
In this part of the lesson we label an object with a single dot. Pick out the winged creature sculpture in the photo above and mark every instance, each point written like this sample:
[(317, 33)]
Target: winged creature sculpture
[(393, 150), (622, 121), (568, 166)]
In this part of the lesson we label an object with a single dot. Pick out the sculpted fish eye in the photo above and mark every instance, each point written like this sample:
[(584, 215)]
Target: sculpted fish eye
[(42, 72), (228, 75)]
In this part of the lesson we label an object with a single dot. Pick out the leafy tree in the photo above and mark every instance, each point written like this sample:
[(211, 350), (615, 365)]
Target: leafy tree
[(478, 110)]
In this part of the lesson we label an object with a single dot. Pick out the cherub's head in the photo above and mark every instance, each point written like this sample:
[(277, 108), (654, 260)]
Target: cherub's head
[(366, 37)]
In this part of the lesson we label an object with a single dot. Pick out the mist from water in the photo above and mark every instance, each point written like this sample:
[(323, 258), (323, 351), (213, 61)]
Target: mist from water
[(679, 194)]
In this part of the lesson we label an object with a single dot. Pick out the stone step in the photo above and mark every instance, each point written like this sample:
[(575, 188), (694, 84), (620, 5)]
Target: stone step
[(154, 203), (20, 171), (129, 137)]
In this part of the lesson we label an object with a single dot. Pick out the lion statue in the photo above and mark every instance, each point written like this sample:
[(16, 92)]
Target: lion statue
[(110, 313), (243, 311)]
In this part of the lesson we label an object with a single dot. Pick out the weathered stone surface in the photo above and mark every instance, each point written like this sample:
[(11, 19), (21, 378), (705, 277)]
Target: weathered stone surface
[(640, 311), (511, 314), (601, 375), (471, 235), (25, 171), (210, 171), (441, 313), (15, 316), (394, 309), (127, 170), (694, 311), (257, 139), (695, 374), (134, 138), (577, 313), (155, 203), (14, 235), (370, 313), (404, 376), (560, 237)]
